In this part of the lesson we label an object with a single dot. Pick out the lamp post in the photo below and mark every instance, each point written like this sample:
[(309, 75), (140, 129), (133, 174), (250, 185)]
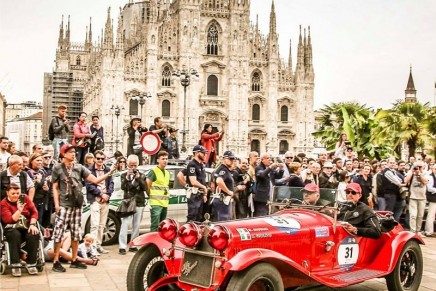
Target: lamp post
[(185, 79), (117, 111), (141, 99)]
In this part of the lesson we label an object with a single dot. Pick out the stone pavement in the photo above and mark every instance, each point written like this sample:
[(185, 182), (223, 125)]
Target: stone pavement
[(111, 271)]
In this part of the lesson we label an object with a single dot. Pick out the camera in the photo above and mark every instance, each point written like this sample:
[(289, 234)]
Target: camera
[(134, 172), (21, 198), (415, 168)]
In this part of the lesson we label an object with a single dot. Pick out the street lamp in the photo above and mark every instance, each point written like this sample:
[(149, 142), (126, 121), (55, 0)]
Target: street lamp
[(185, 79), (117, 111), (141, 99)]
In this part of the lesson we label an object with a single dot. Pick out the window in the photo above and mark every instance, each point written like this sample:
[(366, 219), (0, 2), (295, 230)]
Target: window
[(212, 85), (133, 107), (255, 145), (166, 108), (284, 113), (255, 112), (78, 61), (283, 147), (166, 76), (255, 82), (212, 40)]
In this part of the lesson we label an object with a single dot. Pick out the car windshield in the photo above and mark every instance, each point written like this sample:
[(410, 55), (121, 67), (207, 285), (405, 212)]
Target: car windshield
[(284, 193)]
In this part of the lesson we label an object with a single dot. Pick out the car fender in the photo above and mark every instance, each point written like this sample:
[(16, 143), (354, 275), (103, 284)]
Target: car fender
[(248, 257), (150, 238), (391, 251)]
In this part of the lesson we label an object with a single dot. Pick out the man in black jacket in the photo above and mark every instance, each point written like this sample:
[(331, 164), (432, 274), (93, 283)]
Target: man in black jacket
[(263, 184), (357, 217)]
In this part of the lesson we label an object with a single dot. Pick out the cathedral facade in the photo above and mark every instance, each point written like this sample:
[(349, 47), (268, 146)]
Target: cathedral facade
[(238, 82)]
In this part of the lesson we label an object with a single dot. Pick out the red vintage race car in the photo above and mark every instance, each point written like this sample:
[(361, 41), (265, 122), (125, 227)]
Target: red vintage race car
[(296, 246)]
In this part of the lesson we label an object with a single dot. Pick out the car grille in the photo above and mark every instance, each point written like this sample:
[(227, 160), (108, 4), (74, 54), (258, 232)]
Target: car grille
[(198, 264)]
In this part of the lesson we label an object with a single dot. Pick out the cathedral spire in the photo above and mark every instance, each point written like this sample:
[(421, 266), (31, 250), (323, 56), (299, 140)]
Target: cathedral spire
[(290, 57), (299, 71), (309, 64), (67, 34), (108, 42), (61, 33), (272, 21), (90, 31), (120, 41), (410, 92)]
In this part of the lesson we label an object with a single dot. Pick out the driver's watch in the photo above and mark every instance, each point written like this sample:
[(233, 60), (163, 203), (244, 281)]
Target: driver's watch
[(355, 231)]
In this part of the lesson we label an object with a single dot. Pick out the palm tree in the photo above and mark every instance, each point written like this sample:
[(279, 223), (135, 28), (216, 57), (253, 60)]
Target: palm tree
[(405, 122), (357, 121)]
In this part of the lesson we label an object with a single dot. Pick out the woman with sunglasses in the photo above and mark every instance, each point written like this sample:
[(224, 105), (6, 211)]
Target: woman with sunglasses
[(357, 217), (121, 164)]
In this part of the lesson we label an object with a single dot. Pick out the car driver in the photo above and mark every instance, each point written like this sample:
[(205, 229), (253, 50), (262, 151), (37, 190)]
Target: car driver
[(358, 218)]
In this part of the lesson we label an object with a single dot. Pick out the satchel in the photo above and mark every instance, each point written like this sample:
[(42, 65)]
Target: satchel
[(75, 190), (127, 208), (21, 224)]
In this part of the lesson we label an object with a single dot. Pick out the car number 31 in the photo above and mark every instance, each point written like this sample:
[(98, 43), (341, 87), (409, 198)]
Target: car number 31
[(348, 253)]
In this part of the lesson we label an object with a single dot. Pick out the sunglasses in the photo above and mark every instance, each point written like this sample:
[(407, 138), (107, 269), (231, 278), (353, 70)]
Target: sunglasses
[(123, 162), (47, 158), (351, 192), (99, 159)]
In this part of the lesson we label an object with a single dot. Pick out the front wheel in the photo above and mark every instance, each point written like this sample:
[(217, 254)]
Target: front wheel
[(260, 277), (146, 267), (407, 274)]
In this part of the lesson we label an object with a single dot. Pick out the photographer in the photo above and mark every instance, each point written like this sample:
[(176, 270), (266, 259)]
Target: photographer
[(60, 127), (417, 199), (134, 185), (135, 132)]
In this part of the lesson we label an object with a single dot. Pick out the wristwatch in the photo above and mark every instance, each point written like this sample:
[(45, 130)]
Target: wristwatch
[(355, 231)]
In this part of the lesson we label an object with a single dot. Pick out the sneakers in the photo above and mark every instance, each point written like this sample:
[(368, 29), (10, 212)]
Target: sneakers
[(122, 251), (57, 267), (78, 265), (102, 250), (16, 272), (31, 269), (133, 250)]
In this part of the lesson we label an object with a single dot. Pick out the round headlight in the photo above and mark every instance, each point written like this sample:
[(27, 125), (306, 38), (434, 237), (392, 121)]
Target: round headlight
[(218, 237), (168, 229), (190, 234)]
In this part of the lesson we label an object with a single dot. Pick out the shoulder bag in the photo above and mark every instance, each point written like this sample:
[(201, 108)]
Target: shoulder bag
[(127, 207)]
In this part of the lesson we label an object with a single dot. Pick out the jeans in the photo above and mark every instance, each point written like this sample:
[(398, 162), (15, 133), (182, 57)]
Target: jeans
[(157, 214), (429, 223), (135, 221), (99, 212), (416, 211), (81, 153), (41, 211), (391, 200), (57, 143), (381, 204), (398, 209)]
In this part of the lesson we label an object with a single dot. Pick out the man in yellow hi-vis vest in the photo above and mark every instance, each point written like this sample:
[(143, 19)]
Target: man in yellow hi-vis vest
[(158, 181)]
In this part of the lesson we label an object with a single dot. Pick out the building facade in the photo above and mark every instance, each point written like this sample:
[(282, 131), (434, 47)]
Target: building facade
[(25, 132), (238, 82)]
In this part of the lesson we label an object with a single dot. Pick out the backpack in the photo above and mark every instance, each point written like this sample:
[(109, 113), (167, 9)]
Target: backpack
[(51, 133)]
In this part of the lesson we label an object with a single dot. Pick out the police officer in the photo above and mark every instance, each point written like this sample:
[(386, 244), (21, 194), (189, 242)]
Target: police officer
[(224, 181), (196, 182)]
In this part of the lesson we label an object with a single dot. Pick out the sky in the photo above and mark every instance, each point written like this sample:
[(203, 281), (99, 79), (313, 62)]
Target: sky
[(362, 49)]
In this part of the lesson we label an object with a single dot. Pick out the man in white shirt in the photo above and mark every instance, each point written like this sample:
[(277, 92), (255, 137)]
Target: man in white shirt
[(4, 155)]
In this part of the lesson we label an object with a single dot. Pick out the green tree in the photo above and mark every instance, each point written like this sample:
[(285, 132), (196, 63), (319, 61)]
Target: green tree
[(405, 122), (357, 121)]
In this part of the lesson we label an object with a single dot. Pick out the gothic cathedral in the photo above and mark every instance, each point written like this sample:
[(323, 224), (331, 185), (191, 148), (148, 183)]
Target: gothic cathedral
[(194, 62)]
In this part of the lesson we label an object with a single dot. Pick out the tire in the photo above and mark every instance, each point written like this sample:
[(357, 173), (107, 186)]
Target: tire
[(146, 267), (408, 271), (111, 230), (262, 276)]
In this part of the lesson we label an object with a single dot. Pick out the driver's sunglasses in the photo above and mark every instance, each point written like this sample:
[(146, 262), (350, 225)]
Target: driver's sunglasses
[(351, 192)]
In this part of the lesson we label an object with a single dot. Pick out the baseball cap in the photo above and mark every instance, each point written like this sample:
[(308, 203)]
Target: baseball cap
[(229, 155), (354, 187), (311, 188), (328, 165), (199, 148), (65, 148)]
